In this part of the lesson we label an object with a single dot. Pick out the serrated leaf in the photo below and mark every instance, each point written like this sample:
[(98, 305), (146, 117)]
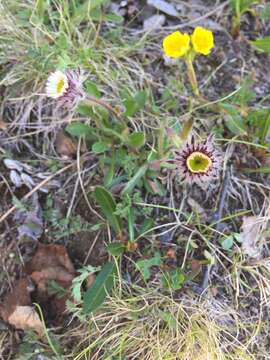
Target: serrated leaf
[(108, 207), (136, 140), (173, 279), (78, 281), (144, 265), (96, 294), (262, 44)]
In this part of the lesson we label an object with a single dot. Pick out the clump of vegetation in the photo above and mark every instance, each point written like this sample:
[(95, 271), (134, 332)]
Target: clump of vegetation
[(135, 186)]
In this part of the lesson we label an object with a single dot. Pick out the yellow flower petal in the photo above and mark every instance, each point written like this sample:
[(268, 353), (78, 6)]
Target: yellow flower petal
[(202, 40), (176, 44)]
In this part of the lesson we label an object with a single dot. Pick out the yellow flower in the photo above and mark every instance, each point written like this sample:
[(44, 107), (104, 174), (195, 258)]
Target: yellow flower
[(202, 40), (176, 44)]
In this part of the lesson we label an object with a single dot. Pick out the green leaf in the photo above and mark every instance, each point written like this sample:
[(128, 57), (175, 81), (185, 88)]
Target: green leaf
[(130, 106), (186, 130), (136, 140), (266, 13), (96, 294), (233, 120), (241, 6), (262, 170), (85, 110), (131, 226), (262, 44), (170, 320), (146, 226), (134, 104), (144, 265), (108, 178), (79, 129), (83, 10), (108, 207), (40, 8), (134, 180), (260, 121), (78, 281), (99, 147), (140, 99), (18, 204), (114, 18), (116, 249), (92, 89), (173, 279), (227, 243)]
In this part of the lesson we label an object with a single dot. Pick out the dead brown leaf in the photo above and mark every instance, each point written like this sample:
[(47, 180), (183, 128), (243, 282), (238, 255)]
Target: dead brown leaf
[(3, 125), (25, 318), (50, 256), (251, 236), (20, 295), (17, 310), (51, 263), (90, 280), (171, 253), (65, 146)]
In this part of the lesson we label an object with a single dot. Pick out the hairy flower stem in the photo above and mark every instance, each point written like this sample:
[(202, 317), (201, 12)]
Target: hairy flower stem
[(91, 100), (192, 76)]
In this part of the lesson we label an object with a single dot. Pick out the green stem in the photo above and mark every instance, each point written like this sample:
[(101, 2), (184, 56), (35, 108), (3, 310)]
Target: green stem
[(91, 100), (192, 76)]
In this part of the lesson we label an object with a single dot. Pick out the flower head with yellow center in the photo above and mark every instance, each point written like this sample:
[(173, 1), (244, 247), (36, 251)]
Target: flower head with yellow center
[(198, 162), (57, 84), (66, 87), (176, 44), (202, 40)]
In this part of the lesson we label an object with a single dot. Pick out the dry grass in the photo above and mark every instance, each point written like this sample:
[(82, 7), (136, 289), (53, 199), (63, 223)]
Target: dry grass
[(153, 326)]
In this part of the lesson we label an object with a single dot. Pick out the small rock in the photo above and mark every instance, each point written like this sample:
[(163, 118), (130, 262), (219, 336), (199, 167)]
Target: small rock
[(154, 22), (15, 178), (164, 6)]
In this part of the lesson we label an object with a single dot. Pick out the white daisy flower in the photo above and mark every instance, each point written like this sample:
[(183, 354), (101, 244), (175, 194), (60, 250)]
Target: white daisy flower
[(66, 87), (57, 85)]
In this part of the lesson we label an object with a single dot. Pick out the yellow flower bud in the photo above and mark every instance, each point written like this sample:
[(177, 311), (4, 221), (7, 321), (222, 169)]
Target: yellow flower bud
[(202, 40), (176, 44)]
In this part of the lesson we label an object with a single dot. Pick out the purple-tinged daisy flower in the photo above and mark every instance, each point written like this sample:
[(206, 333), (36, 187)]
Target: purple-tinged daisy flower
[(198, 162), (66, 87)]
